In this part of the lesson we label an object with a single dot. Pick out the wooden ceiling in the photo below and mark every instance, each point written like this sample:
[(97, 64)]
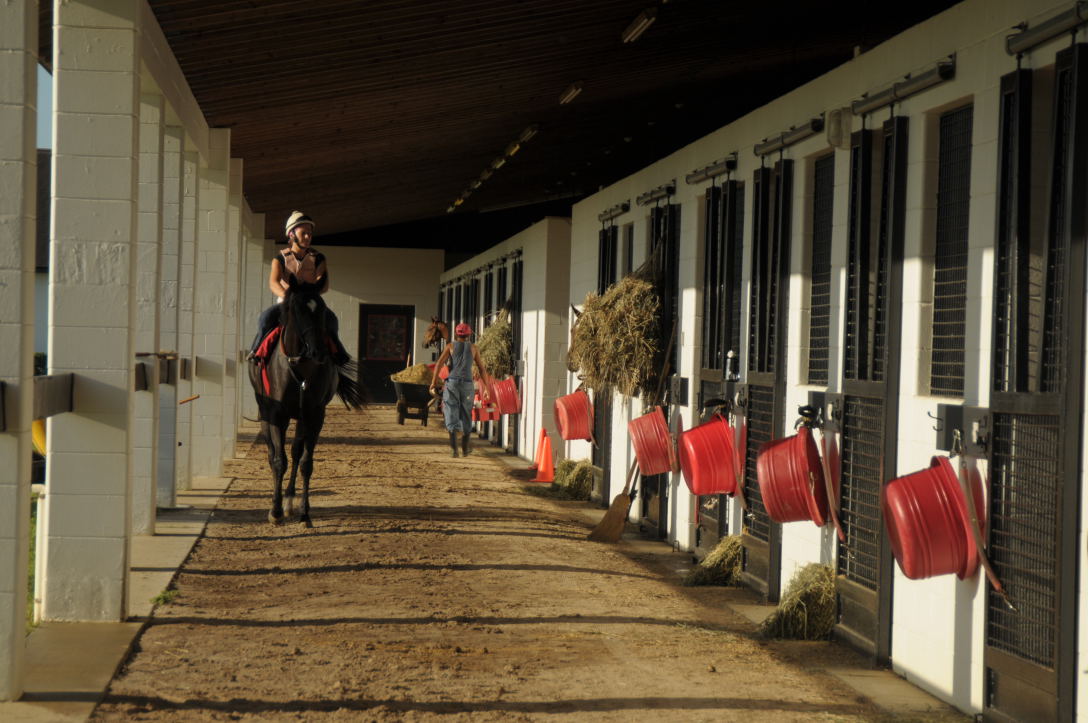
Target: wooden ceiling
[(374, 116)]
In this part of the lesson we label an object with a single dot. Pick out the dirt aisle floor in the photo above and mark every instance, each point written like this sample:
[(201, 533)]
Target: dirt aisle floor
[(437, 588)]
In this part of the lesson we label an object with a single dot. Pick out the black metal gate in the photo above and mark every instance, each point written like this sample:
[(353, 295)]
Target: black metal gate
[(723, 254), (664, 245), (867, 411), (764, 393), (1035, 403)]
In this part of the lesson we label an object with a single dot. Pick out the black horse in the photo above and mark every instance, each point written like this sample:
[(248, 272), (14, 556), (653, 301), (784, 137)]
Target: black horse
[(296, 380)]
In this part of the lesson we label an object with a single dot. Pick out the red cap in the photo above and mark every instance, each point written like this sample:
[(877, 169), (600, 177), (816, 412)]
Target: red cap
[(463, 329)]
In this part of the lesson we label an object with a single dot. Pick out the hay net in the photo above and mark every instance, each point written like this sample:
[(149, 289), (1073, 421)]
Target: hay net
[(496, 346)]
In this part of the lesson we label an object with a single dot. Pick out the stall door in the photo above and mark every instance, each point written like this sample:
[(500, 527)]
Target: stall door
[(764, 394), (385, 343), (867, 411), (1037, 389)]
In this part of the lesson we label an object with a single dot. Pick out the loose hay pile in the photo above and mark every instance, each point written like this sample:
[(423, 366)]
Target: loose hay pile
[(722, 566), (496, 346), (573, 479), (416, 374), (807, 610), (614, 342)]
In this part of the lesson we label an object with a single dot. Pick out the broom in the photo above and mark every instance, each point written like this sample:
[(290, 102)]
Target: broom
[(611, 526)]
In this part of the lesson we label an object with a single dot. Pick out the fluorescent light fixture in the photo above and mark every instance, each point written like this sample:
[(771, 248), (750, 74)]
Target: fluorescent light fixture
[(610, 213), (528, 133), (1061, 23), (485, 174), (498, 163), (570, 93), (512, 149), (476, 184), (639, 25), (656, 194), (458, 202), (451, 208), (791, 136), (944, 70), (715, 169)]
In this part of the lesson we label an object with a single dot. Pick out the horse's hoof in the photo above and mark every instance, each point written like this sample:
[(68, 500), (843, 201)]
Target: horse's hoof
[(275, 520), (289, 507), (306, 521)]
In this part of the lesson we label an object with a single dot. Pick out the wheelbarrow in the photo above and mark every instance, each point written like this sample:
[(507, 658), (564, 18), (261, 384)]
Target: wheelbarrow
[(413, 401)]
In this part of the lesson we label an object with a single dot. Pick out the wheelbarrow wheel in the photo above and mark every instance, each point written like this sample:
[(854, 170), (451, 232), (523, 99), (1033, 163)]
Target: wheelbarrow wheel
[(401, 411)]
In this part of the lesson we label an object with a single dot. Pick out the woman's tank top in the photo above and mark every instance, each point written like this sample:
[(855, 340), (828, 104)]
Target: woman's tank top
[(461, 362)]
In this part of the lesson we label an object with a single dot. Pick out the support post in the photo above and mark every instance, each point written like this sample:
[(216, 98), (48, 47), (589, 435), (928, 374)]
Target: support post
[(169, 316)]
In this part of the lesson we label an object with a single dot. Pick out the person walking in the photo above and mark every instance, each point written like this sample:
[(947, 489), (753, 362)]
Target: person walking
[(458, 391), (308, 266)]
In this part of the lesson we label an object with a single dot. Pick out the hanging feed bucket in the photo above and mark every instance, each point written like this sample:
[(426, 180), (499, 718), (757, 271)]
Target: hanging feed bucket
[(574, 415), (928, 523), (506, 397), (652, 443), (791, 480), (708, 458)]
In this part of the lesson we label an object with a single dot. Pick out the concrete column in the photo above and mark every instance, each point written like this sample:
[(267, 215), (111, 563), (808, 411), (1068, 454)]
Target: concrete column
[(256, 286), (208, 306), (92, 310), (190, 162), (173, 140), (18, 179), (231, 306), (144, 442)]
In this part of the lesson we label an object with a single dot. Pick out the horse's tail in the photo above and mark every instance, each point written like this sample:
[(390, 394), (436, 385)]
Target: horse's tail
[(347, 388)]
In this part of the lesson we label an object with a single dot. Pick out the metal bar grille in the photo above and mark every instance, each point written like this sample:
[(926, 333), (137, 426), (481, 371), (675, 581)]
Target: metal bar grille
[(1026, 494), (736, 246), (758, 292), (950, 258), (879, 298), (778, 273), (862, 476), (760, 429), (713, 282), (1052, 376), (819, 330), (857, 266), (607, 243)]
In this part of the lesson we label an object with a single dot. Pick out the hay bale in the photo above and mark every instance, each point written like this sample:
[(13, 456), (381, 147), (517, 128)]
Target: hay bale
[(807, 610), (415, 374), (614, 343), (722, 566), (573, 479), (496, 347)]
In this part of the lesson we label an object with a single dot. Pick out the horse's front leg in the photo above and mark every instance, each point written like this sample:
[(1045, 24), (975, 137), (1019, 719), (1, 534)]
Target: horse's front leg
[(297, 450), (309, 436), (276, 435)]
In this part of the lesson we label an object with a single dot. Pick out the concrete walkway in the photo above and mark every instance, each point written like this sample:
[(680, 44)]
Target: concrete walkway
[(70, 665)]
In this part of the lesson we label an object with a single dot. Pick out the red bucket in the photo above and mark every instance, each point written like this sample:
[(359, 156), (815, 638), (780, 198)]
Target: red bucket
[(708, 459), (506, 397), (791, 480), (652, 443), (928, 522), (574, 415)]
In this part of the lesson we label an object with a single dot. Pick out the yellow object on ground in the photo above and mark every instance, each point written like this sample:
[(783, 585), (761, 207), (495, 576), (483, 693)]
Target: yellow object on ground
[(37, 436), (418, 374)]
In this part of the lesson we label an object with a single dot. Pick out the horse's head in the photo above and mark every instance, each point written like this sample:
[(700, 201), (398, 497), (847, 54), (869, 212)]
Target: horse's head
[(437, 333), (304, 322)]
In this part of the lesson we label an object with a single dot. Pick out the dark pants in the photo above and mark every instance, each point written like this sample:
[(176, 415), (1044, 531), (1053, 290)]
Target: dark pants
[(270, 319)]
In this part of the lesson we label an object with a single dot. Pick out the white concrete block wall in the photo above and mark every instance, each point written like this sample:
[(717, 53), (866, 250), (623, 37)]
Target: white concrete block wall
[(92, 309), (362, 275), (166, 470), (190, 190), (231, 305), (209, 320), (18, 188), (144, 439), (256, 298)]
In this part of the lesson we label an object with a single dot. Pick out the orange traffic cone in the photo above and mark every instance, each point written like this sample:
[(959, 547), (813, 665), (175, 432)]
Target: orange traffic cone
[(539, 448), (545, 471)]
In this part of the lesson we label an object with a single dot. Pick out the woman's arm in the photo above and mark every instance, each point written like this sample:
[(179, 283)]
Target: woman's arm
[(274, 276), (438, 364), (479, 362)]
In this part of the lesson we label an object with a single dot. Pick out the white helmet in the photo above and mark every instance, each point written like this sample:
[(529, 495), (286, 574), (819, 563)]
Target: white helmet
[(296, 218)]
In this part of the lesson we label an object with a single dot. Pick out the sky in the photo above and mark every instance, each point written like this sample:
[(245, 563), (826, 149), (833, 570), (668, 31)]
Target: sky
[(45, 108)]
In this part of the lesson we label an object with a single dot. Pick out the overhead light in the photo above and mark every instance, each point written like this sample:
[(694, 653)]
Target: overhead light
[(476, 184), (618, 210), (639, 25), (1063, 22), (451, 208), (715, 169), (512, 149), (789, 137), (528, 133), (458, 202), (570, 93), (485, 174), (498, 162), (942, 71), (656, 194)]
